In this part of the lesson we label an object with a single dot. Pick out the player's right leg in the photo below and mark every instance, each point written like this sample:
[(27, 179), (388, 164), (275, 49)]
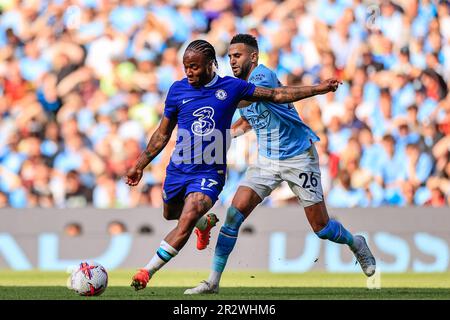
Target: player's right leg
[(173, 210), (173, 196), (196, 205), (164, 254)]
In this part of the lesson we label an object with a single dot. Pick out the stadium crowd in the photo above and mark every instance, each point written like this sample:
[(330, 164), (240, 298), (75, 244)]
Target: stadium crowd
[(83, 84)]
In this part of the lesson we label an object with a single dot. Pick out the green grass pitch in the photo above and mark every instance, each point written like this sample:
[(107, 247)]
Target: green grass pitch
[(241, 285)]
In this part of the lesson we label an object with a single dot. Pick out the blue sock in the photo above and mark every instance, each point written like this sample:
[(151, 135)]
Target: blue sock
[(227, 238), (335, 231)]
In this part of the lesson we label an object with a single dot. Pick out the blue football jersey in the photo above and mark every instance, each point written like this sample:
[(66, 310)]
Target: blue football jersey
[(204, 117), (280, 132)]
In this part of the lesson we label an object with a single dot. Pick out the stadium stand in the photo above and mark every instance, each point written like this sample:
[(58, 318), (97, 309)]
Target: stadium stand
[(83, 83)]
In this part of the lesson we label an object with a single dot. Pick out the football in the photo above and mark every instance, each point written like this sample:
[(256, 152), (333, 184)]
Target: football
[(89, 279)]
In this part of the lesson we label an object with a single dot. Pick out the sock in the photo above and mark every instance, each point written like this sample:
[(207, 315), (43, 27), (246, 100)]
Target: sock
[(335, 231), (163, 255), (214, 277), (225, 243)]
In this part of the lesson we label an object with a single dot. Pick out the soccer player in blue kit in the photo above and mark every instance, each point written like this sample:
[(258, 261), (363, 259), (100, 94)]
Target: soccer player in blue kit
[(202, 104), (286, 153)]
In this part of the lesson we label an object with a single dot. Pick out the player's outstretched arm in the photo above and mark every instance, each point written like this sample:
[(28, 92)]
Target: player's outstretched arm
[(292, 94), (240, 127), (157, 142)]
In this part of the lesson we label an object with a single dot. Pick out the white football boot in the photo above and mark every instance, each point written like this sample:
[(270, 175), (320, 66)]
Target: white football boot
[(203, 288), (364, 256)]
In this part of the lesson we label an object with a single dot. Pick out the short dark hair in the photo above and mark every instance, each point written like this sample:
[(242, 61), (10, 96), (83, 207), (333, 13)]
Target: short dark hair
[(205, 48), (247, 39), (388, 138)]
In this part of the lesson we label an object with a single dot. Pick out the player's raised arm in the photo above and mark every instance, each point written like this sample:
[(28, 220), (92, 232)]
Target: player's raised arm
[(291, 93), (157, 142)]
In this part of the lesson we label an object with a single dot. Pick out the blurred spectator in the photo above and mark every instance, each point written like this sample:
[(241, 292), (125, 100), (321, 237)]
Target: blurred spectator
[(151, 195), (76, 194), (344, 196), (73, 229), (3, 200), (391, 169), (419, 165), (83, 84), (145, 230), (116, 227)]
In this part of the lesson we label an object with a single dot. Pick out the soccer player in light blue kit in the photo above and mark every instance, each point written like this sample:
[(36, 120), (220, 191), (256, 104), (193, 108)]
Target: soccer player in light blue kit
[(202, 105), (286, 153)]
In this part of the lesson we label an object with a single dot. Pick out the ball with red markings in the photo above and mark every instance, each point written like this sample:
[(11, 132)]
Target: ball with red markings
[(89, 279)]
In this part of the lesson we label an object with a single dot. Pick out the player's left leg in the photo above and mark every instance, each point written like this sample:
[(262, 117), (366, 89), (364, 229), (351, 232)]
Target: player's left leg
[(196, 205), (210, 184), (333, 230), (260, 180), (303, 176), (203, 229)]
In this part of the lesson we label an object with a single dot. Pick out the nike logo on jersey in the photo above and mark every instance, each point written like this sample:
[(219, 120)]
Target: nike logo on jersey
[(186, 100)]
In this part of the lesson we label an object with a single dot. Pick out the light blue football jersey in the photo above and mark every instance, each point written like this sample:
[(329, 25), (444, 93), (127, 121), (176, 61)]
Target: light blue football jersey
[(280, 132)]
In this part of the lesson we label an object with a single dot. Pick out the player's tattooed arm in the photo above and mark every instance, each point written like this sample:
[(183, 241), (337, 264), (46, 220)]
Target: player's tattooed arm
[(157, 142), (292, 94), (240, 127)]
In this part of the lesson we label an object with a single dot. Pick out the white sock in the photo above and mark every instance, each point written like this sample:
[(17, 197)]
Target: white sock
[(154, 264), (214, 278), (166, 251)]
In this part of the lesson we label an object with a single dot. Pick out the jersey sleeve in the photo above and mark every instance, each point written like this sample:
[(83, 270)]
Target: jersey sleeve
[(263, 77), (170, 107), (245, 89)]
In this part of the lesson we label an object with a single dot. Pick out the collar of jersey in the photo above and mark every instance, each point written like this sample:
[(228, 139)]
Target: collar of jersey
[(213, 81)]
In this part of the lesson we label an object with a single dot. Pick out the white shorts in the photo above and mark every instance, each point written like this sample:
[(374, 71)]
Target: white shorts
[(302, 173)]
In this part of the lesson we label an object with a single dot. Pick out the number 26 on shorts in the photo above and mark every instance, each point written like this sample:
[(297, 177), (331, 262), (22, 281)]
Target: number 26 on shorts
[(308, 180)]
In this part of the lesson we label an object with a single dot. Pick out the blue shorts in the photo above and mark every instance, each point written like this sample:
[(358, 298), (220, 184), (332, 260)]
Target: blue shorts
[(179, 184)]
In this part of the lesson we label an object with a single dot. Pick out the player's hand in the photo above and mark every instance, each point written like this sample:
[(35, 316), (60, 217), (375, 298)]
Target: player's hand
[(133, 176), (330, 85)]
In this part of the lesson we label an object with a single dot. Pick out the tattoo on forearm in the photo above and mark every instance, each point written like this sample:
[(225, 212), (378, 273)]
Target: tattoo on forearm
[(262, 93), (285, 94), (296, 93), (157, 142)]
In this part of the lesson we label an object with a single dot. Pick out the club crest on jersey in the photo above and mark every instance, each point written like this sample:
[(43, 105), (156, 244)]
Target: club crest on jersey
[(221, 94), (205, 123)]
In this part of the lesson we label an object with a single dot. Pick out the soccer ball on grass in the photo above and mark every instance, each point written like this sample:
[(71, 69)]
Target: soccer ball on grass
[(89, 279)]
